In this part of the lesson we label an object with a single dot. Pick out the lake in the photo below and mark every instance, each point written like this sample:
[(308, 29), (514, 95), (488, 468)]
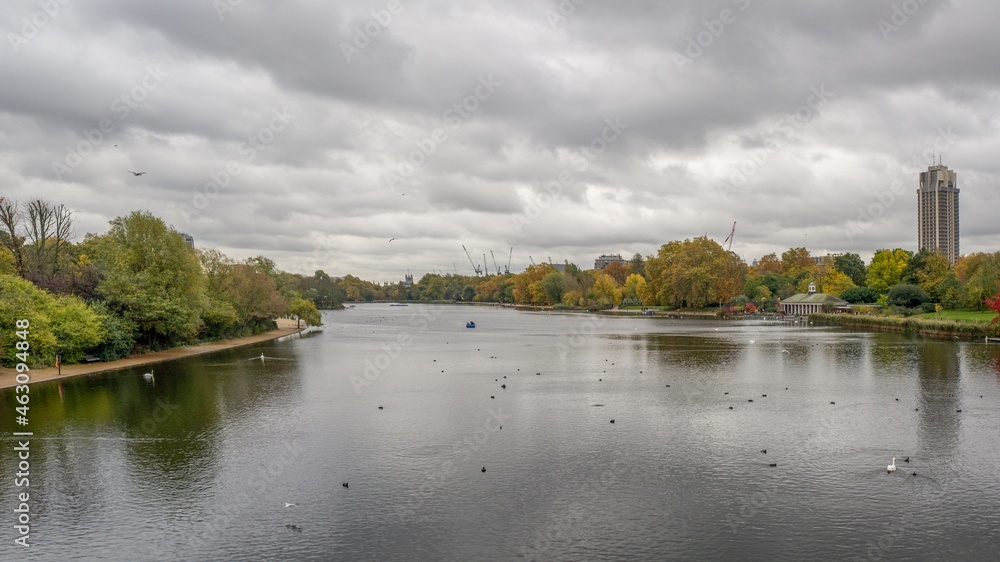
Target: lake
[(407, 406)]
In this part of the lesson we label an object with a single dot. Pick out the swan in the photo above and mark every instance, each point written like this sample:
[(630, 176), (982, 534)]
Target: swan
[(148, 376), (891, 467)]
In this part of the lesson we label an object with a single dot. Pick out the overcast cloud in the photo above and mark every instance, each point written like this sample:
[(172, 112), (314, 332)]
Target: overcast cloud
[(564, 129)]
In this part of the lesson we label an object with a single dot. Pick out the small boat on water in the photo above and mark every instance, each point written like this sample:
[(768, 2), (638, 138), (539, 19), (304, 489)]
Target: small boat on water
[(470, 324), (397, 304)]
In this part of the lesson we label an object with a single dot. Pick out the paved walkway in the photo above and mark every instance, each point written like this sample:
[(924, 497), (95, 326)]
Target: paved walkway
[(7, 376)]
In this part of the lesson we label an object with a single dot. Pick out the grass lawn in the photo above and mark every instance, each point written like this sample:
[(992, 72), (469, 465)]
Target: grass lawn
[(966, 315)]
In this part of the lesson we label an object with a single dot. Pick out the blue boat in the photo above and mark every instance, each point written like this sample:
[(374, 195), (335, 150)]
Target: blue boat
[(470, 324)]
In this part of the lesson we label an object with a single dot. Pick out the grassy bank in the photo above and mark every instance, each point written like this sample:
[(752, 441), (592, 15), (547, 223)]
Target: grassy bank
[(957, 327)]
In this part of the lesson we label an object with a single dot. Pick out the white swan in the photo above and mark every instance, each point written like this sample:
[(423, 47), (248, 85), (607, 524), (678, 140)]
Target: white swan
[(891, 467), (148, 376)]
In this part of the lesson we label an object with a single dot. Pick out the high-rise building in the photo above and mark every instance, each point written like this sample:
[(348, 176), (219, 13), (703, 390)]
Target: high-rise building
[(937, 212)]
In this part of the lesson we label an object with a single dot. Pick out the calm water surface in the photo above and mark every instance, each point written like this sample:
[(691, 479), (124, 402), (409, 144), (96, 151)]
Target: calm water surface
[(200, 463)]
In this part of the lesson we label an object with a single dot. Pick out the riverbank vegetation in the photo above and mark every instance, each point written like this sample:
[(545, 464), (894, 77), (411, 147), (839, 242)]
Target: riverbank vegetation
[(138, 287)]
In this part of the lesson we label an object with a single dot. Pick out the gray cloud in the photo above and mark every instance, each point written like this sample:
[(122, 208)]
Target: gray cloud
[(701, 92)]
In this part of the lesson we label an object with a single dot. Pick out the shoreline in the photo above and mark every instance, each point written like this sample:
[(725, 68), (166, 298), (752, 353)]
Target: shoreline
[(285, 328)]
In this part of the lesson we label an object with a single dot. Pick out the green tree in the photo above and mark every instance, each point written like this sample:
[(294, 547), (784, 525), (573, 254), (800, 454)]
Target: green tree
[(907, 295), (851, 265), (552, 284), (637, 264), (152, 278), (856, 295), (886, 269), (305, 310)]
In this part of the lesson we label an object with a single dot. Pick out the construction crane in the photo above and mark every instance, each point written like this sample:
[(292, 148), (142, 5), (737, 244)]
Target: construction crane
[(506, 268), (475, 267), (532, 261), (495, 266), (730, 238)]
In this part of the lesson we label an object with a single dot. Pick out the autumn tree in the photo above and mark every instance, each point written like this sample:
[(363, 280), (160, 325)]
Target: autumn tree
[(795, 263), (605, 290), (767, 264), (695, 272), (993, 303), (617, 271), (634, 289), (886, 269), (836, 282)]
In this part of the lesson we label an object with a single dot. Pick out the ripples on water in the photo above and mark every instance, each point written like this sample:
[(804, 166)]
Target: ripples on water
[(200, 464)]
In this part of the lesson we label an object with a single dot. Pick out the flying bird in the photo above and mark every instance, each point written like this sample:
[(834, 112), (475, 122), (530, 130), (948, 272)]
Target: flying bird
[(136, 173), (391, 239)]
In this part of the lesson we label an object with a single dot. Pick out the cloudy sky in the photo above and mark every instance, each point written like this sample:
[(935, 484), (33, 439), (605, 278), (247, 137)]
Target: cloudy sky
[(313, 132)]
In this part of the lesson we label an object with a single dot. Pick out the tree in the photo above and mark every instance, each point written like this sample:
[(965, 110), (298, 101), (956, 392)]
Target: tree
[(152, 278), (836, 282), (767, 264), (552, 284), (907, 295), (795, 262), (62, 325), (694, 273), (637, 264), (886, 269), (994, 304), (49, 230), (927, 269), (856, 295), (634, 288), (305, 310), (606, 291), (617, 270), (11, 228), (851, 265)]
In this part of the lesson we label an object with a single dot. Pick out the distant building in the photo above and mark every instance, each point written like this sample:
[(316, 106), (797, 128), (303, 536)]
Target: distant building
[(937, 212), (188, 239), (808, 303), (560, 267), (818, 260), (607, 259), (408, 280)]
